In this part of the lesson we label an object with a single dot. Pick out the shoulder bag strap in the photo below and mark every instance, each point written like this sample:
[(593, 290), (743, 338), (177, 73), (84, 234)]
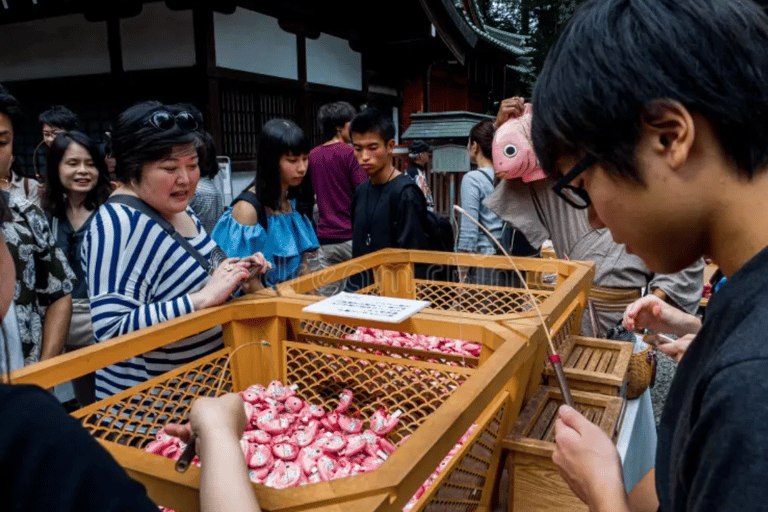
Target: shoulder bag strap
[(138, 204)]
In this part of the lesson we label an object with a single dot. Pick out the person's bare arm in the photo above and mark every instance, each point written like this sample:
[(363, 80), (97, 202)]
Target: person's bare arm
[(56, 327), (642, 497), (218, 424)]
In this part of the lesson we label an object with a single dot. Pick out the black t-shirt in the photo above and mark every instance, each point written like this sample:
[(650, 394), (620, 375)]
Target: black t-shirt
[(49, 462), (392, 214), (713, 436)]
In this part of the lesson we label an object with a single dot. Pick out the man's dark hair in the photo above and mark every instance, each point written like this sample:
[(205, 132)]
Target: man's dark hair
[(135, 141), (60, 117), (332, 116), (482, 133), (618, 59), (373, 121), (278, 137), (55, 202)]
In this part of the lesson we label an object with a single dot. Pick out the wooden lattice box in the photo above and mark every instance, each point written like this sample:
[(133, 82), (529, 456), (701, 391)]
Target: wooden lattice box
[(534, 483), (395, 274), (593, 364), (273, 339)]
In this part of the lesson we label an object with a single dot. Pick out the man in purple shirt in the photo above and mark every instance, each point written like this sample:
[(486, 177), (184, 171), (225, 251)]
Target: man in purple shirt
[(335, 174)]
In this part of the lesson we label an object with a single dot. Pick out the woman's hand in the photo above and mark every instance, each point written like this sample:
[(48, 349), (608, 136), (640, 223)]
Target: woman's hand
[(676, 349), (230, 274), (258, 266), (650, 312), (588, 462)]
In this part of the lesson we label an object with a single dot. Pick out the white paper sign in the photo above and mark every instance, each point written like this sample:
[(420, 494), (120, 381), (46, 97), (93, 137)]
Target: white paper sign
[(368, 307)]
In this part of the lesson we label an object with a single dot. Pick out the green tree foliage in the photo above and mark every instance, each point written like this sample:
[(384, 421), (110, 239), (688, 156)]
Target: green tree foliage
[(543, 20)]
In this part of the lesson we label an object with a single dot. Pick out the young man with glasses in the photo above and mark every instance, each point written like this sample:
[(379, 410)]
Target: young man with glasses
[(543, 209), (670, 100)]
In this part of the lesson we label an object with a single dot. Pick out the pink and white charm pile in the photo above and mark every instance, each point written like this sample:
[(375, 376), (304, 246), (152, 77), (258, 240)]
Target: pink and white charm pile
[(416, 341), (290, 442)]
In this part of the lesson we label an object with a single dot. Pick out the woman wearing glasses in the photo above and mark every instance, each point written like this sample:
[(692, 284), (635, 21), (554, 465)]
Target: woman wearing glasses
[(148, 258)]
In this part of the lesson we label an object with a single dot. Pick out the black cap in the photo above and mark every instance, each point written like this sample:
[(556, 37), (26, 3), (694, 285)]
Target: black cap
[(419, 146)]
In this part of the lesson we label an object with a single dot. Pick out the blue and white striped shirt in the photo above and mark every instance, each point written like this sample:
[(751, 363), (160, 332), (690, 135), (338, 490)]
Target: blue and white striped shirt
[(139, 276)]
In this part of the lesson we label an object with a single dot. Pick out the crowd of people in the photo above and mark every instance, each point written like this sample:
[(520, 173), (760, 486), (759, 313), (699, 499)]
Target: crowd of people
[(643, 176)]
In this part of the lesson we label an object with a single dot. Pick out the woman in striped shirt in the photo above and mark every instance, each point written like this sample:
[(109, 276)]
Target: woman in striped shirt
[(138, 275)]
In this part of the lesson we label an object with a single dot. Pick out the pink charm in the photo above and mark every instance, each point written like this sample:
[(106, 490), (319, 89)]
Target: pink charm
[(158, 446), (345, 468), (334, 444), (386, 445), (331, 421), (285, 451), (274, 476), (257, 436), (317, 411), (345, 400), (172, 451), (308, 459), (382, 424), (305, 437), (249, 396), (262, 473), (327, 467), (355, 445), (350, 425), (294, 404), (272, 426), (371, 463), (261, 457), (314, 478)]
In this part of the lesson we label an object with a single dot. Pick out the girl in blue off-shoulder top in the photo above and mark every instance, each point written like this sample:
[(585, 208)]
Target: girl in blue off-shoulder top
[(263, 218)]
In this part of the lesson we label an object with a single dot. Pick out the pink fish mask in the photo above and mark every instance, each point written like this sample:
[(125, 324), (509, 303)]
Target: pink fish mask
[(513, 155)]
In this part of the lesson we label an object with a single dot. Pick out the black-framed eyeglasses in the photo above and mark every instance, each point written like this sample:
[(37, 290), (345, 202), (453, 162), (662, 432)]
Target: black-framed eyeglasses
[(164, 120), (571, 194)]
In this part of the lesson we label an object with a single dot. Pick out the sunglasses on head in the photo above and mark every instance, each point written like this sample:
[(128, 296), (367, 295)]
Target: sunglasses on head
[(164, 120)]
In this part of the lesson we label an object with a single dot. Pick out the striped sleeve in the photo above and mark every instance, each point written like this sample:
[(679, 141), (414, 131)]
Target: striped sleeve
[(129, 259)]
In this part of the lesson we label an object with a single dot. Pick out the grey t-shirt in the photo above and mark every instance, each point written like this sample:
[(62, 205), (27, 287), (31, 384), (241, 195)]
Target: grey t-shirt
[(536, 211)]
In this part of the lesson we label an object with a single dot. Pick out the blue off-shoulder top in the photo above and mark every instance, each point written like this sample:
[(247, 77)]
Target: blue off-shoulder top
[(288, 236)]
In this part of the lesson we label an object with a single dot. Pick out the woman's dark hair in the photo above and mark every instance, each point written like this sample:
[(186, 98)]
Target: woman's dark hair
[(332, 116), (278, 137), (136, 141), (482, 133), (9, 106), (55, 201), (209, 166), (617, 60)]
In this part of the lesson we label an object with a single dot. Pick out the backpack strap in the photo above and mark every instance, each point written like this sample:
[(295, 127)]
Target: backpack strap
[(398, 186), (138, 204), (261, 212), (488, 177)]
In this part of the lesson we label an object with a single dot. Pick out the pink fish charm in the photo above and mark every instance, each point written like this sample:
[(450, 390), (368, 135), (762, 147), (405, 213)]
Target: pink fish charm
[(345, 400), (261, 457), (285, 451), (513, 155)]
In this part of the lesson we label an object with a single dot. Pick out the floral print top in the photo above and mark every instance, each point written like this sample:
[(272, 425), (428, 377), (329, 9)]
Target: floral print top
[(42, 273)]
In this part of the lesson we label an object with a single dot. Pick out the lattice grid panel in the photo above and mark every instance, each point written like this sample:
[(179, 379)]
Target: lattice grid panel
[(318, 328), (561, 336), (484, 300), (462, 488), (417, 391), (134, 419)]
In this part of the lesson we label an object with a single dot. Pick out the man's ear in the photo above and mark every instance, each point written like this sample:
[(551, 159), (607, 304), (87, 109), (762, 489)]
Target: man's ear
[(390, 145), (669, 127)]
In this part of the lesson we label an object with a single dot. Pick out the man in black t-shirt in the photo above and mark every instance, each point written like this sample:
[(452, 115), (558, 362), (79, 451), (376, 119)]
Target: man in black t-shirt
[(389, 209), (653, 114)]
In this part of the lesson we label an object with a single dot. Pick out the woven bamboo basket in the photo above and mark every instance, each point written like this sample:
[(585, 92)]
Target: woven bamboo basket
[(394, 273), (276, 340)]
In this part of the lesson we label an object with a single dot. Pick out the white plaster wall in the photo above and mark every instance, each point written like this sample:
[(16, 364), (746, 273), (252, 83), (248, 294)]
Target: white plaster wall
[(330, 61), (253, 42), (157, 38), (52, 48)]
